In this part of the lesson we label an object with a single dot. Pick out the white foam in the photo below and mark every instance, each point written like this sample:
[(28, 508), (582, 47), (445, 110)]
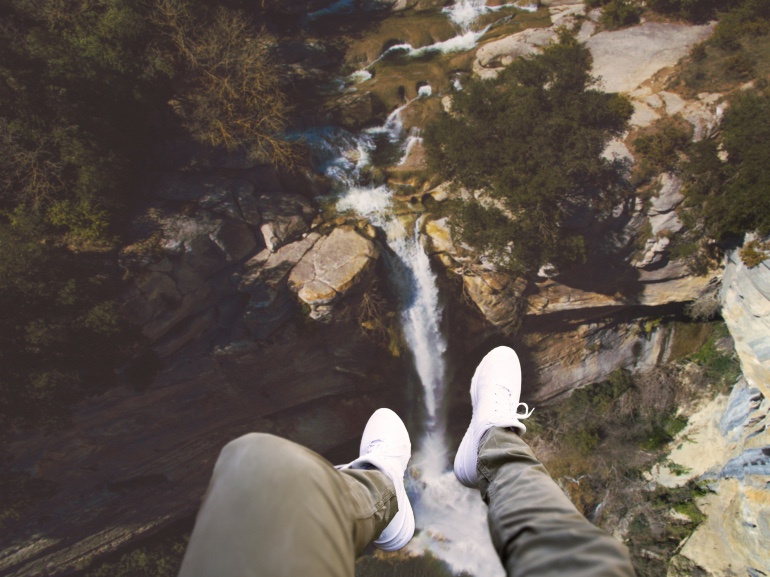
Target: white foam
[(465, 12), (360, 76), (411, 141), (424, 91)]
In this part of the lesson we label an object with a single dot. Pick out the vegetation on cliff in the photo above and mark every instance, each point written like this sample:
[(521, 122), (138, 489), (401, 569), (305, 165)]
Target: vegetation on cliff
[(85, 88), (532, 140), (600, 442)]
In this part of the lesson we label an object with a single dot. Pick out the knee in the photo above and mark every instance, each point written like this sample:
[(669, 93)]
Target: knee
[(260, 451)]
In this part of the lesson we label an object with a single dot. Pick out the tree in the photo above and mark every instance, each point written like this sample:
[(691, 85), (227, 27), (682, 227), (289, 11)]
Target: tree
[(229, 91), (532, 141), (731, 197)]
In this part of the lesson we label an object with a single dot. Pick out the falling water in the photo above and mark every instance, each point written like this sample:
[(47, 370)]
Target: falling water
[(451, 519)]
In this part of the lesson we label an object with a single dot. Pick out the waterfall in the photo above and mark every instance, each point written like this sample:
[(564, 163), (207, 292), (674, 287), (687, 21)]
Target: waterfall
[(451, 519)]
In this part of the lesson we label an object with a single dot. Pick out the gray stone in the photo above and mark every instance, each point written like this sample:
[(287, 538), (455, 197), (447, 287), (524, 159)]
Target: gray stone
[(273, 268), (244, 195), (623, 59), (750, 462), (285, 217), (167, 319), (235, 239), (334, 265), (743, 401), (669, 196)]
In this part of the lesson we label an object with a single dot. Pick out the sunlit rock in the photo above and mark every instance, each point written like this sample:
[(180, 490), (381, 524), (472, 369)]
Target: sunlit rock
[(623, 59), (334, 265)]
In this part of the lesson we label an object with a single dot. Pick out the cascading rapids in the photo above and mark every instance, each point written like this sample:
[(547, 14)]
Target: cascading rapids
[(451, 519)]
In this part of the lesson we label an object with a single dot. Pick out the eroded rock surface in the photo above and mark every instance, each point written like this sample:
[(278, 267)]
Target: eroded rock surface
[(334, 265), (728, 442), (623, 59)]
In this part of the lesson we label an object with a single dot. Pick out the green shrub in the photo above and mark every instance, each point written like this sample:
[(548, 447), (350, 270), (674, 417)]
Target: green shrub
[(620, 13), (732, 197), (533, 140), (660, 144), (755, 253), (61, 337)]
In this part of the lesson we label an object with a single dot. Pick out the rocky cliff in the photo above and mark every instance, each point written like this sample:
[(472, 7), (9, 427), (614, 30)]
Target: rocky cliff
[(248, 294)]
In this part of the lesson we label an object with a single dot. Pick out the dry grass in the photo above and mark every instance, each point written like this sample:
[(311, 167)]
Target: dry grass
[(232, 95)]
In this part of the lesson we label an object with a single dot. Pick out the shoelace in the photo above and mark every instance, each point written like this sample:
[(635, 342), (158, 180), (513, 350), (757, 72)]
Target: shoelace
[(384, 448), (505, 407)]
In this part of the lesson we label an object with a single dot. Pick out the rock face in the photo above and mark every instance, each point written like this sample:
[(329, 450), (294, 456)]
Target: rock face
[(331, 268), (570, 359), (746, 310), (193, 232), (285, 217), (494, 56), (729, 442), (131, 462), (623, 59), (265, 280)]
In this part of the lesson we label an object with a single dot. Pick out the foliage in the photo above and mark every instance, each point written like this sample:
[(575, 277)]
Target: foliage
[(746, 18), (720, 367), (755, 253), (654, 535), (60, 333), (85, 88), (693, 10), (18, 491), (160, 557), (738, 51), (731, 197), (230, 91), (660, 145), (620, 13), (531, 140)]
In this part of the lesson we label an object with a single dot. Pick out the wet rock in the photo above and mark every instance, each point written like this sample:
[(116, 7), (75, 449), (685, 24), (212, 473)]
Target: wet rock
[(329, 270), (357, 110)]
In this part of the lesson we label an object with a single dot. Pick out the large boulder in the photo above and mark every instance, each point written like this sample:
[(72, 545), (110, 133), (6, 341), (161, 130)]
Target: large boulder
[(334, 266), (493, 56)]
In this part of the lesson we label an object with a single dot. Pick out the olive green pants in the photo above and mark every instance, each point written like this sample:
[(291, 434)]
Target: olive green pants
[(274, 508)]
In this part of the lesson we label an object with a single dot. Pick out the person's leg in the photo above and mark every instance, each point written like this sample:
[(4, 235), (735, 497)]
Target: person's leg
[(535, 528), (274, 508)]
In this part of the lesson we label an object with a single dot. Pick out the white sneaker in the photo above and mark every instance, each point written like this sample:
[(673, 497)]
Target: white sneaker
[(385, 445), (495, 392)]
